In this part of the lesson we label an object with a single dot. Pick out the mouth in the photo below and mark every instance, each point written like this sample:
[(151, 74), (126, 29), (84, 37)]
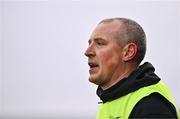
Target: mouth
[(93, 67)]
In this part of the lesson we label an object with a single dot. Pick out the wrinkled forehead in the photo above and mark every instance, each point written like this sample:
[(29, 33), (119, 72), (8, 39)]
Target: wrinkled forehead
[(110, 29)]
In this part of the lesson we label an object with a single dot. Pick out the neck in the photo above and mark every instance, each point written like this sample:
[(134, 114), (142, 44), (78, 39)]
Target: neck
[(123, 72)]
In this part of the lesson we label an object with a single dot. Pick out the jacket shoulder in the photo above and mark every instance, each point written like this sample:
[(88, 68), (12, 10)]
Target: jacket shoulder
[(153, 106)]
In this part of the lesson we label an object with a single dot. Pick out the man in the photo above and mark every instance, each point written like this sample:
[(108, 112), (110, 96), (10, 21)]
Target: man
[(127, 89)]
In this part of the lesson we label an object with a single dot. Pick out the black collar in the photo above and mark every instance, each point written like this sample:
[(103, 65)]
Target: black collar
[(143, 76)]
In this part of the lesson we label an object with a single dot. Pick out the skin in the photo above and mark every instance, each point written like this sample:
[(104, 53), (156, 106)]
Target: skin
[(109, 62)]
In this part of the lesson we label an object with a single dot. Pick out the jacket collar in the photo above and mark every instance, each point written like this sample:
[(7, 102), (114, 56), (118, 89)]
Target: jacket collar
[(143, 76)]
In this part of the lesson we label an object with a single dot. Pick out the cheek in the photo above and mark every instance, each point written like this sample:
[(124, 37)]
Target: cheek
[(109, 59)]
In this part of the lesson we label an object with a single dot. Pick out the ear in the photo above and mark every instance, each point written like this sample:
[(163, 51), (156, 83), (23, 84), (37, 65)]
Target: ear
[(129, 51)]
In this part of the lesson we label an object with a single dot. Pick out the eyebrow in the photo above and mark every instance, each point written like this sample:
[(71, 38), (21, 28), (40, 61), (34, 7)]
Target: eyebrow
[(97, 39)]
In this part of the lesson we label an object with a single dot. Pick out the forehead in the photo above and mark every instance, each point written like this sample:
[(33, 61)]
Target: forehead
[(108, 29)]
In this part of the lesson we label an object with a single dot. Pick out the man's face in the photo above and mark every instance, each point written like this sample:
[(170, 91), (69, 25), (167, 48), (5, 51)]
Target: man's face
[(104, 54)]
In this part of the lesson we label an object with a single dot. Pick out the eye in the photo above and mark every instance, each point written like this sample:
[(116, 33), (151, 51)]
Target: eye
[(101, 42)]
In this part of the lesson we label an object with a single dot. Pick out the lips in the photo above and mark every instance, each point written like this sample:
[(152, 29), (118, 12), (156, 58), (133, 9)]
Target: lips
[(93, 67)]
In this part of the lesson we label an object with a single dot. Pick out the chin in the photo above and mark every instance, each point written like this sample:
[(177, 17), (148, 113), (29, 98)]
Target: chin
[(94, 80)]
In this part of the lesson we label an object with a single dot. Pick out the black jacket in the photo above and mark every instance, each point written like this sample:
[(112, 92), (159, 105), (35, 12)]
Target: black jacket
[(152, 106)]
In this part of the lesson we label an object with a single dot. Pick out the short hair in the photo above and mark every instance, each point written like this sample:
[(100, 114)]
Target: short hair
[(131, 32)]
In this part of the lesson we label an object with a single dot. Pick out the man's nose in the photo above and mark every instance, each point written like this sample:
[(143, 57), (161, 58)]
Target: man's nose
[(89, 51)]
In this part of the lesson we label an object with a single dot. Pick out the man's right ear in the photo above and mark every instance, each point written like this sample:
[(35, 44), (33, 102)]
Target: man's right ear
[(129, 51)]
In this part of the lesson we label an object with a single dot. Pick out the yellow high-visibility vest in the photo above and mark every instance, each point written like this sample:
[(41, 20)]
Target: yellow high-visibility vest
[(121, 108)]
